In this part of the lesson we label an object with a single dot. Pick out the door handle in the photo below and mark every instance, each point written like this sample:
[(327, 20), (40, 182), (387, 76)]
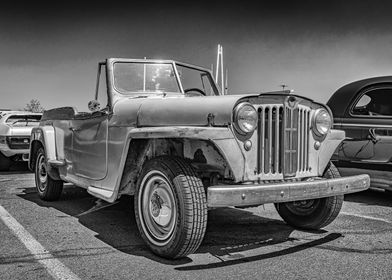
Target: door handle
[(373, 136), (74, 129)]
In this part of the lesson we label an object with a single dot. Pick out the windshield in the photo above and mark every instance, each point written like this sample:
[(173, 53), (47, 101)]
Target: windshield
[(144, 78), (23, 120), (133, 77), (196, 82)]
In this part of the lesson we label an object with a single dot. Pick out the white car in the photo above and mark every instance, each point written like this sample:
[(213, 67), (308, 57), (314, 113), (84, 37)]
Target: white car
[(15, 130)]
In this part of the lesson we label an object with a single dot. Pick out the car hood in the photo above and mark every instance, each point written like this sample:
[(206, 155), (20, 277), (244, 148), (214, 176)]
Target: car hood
[(192, 111), (176, 111)]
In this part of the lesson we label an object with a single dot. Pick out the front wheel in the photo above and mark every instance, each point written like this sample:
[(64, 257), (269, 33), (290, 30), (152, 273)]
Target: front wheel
[(48, 188), (170, 207), (312, 213)]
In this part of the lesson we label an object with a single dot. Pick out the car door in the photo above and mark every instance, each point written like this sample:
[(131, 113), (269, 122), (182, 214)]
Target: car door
[(368, 126), (90, 134)]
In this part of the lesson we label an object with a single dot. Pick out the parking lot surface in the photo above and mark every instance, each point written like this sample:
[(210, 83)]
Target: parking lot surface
[(81, 237)]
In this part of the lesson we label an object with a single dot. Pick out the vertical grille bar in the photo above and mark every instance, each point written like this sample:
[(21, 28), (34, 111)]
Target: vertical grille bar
[(299, 139), (265, 141), (307, 126), (302, 155), (262, 139), (277, 139), (270, 153)]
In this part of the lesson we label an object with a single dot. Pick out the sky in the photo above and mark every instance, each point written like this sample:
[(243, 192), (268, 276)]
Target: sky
[(50, 53)]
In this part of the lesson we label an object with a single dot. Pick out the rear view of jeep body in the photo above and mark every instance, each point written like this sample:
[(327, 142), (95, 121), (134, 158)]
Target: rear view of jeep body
[(167, 137)]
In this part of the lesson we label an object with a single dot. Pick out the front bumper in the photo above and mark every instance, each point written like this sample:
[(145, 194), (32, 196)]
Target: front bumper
[(256, 194), (12, 152)]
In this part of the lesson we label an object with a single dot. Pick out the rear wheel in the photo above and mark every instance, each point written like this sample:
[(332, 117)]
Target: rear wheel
[(5, 162), (170, 207), (48, 189), (313, 213)]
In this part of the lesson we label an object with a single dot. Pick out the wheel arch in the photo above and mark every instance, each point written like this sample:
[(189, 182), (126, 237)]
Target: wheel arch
[(203, 154), (43, 137)]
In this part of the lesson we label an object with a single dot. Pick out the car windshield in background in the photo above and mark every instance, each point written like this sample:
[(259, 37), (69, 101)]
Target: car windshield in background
[(195, 81), (145, 78), (23, 120)]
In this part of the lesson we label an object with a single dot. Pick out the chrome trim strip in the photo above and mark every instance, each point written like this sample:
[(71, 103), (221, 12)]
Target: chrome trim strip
[(364, 125)]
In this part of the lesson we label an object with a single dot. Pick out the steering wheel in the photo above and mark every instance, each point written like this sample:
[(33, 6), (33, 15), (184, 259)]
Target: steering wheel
[(195, 89)]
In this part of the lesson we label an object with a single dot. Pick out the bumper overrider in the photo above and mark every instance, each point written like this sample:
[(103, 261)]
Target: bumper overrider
[(256, 194)]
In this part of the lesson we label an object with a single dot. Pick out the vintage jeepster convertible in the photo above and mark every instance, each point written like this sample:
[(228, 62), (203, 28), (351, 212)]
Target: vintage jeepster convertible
[(162, 132)]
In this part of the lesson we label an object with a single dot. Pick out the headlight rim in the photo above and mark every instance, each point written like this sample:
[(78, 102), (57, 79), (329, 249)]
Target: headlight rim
[(314, 125), (235, 118)]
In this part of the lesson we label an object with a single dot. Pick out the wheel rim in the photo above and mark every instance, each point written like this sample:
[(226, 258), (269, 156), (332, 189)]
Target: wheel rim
[(303, 207), (157, 208), (42, 174)]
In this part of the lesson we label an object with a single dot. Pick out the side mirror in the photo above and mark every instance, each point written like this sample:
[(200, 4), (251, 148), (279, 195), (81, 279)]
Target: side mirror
[(94, 106)]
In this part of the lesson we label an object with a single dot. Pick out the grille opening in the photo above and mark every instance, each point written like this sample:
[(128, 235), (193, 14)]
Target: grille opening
[(18, 142), (283, 142)]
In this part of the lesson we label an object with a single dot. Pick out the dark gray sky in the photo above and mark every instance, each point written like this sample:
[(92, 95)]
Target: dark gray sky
[(315, 47)]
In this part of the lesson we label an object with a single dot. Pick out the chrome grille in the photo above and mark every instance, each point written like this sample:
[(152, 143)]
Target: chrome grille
[(283, 139), (18, 142)]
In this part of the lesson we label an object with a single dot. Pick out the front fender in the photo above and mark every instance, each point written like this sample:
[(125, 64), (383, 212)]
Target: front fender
[(328, 147), (222, 137)]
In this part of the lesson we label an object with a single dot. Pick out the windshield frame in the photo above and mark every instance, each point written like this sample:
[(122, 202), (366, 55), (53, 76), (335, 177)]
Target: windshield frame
[(139, 93), (198, 68), (111, 64), (22, 118)]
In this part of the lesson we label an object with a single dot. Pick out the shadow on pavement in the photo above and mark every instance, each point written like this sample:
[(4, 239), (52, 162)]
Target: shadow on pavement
[(19, 167), (371, 197), (230, 231)]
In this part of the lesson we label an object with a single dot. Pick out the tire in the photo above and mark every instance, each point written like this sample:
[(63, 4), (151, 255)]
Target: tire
[(5, 162), (315, 213), (48, 189), (170, 207)]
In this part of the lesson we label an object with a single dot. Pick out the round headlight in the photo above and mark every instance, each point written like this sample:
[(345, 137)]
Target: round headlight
[(322, 122), (245, 118)]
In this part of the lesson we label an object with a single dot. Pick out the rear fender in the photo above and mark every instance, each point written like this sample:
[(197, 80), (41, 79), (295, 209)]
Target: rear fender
[(43, 136)]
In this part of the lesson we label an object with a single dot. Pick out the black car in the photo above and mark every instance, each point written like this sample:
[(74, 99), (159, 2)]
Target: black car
[(363, 109)]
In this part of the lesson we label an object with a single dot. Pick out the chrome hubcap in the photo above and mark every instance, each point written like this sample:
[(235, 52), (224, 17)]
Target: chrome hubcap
[(303, 207), (157, 208), (42, 174)]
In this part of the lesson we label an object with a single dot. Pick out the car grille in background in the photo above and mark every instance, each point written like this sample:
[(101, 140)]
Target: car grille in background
[(283, 139), (18, 142)]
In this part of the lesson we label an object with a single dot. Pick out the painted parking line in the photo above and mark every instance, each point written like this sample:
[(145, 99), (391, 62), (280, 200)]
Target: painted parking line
[(55, 268), (366, 217)]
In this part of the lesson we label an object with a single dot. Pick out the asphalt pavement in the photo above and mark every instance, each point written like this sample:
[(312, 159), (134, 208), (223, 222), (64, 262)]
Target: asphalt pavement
[(81, 237)]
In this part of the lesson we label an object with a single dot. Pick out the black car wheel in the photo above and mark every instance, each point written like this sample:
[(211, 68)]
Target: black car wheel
[(48, 189), (312, 213), (170, 207)]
